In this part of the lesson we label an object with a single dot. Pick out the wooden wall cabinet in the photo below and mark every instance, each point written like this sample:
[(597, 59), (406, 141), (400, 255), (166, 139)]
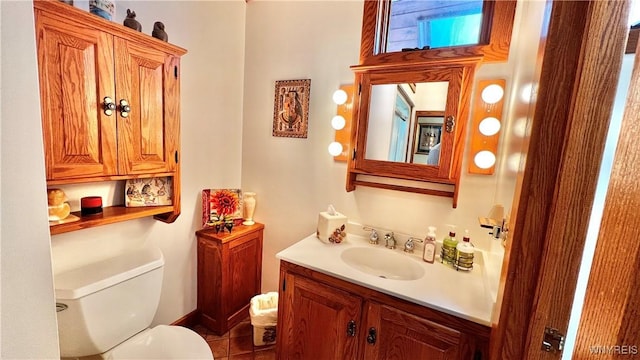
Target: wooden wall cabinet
[(110, 99), (321, 317), (229, 275)]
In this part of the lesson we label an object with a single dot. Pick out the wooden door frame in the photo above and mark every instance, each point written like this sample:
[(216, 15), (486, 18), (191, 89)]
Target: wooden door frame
[(608, 324), (578, 76)]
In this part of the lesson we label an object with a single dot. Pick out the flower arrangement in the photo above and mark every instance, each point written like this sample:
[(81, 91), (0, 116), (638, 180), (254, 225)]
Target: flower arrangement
[(221, 207)]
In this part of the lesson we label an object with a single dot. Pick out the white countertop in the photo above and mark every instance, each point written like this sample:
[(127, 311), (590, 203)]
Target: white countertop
[(459, 293)]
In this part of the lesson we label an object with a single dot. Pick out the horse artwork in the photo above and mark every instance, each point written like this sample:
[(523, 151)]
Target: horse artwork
[(291, 108)]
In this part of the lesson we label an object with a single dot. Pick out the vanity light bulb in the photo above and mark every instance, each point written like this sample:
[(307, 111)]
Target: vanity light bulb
[(335, 148), (489, 126), (484, 159), (338, 122), (340, 97), (492, 94)]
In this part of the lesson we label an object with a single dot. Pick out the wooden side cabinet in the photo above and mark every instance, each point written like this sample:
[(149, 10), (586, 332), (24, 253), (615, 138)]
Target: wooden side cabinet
[(229, 275), (322, 317)]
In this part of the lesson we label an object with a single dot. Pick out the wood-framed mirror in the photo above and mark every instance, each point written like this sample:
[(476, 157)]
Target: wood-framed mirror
[(410, 31), (405, 43), (410, 125)]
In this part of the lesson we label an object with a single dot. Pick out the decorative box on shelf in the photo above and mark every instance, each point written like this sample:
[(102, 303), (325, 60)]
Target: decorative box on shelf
[(149, 192)]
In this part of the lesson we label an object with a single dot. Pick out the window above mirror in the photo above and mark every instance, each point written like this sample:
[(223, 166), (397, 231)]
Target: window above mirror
[(419, 24), (414, 31)]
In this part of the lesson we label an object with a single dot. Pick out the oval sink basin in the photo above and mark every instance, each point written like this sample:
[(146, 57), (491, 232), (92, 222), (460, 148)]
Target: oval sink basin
[(384, 263)]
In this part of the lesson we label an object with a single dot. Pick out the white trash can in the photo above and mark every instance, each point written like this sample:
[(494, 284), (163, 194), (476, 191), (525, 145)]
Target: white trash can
[(264, 316)]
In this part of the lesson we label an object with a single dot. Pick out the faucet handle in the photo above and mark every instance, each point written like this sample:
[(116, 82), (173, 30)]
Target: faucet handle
[(373, 237), (409, 244)]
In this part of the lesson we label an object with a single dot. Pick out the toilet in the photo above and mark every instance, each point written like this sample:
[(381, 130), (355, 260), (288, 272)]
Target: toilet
[(105, 308)]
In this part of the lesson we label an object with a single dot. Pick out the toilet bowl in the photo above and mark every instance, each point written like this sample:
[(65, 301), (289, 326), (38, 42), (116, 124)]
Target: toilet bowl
[(162, 342), (105, 308)]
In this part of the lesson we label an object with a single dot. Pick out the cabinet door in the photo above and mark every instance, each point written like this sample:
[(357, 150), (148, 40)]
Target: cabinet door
[(315, 321), (244, 272), (400, 335), (147, 79), (76, 73)]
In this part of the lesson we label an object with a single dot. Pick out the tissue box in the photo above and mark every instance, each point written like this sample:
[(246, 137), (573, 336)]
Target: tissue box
[(328, 224)]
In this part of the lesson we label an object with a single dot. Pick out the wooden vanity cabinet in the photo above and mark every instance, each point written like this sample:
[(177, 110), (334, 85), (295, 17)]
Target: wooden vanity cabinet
[(229, 275), (322, 317), (86, 63)]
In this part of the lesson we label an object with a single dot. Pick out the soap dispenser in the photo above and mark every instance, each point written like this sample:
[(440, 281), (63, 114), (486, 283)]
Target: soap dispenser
[(429, 254), (449, 244), (465, 251)]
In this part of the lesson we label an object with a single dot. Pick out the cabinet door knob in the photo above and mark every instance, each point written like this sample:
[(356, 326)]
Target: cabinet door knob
[(125, 109), (371, 337), (351, 328), (108, 106)]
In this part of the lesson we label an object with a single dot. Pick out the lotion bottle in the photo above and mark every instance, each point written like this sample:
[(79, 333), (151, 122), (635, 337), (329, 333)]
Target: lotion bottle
[(464, 253), (429, 254), (449, 244)]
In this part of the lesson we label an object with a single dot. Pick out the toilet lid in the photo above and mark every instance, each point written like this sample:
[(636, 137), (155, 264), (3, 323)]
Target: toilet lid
[(163, 342)]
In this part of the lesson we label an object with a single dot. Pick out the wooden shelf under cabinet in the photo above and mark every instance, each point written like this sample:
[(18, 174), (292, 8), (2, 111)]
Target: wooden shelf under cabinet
[(109, 215), (229, 275)]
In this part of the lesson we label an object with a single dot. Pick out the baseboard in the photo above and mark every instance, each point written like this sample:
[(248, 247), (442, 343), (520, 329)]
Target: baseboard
[(189, 320)]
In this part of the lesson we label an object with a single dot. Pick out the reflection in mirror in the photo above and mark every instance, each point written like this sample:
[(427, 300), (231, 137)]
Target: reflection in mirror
[(420, 24), (428, 133), (405, 122)]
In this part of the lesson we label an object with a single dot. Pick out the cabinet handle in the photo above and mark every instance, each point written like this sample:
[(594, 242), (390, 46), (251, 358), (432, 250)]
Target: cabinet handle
[(371, 338), (108, 106), (351, 328), (450, 123), (125, 109)]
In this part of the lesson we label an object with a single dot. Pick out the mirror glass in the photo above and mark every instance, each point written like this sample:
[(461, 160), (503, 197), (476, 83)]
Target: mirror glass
[(405, 122), (420, 24)]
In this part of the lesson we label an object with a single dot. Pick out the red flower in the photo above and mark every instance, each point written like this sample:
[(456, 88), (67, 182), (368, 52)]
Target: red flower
[(225, 202)]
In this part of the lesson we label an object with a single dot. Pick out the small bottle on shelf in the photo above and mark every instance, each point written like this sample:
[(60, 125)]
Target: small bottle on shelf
[(429, 253), (465, 251), (449, 244)]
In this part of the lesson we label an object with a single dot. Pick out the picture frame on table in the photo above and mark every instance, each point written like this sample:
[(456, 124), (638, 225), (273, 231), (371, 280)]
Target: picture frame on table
[(217, 201)]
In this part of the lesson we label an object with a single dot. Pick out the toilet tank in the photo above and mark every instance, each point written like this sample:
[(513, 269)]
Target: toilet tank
[(101, 304)]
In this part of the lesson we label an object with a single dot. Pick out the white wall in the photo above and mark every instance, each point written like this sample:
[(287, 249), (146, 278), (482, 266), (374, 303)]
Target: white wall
[(28, 322), (296, 178)]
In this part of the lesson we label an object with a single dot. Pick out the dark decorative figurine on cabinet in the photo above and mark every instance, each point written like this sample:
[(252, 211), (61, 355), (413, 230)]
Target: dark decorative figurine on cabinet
[(131, 21), (158, 31)]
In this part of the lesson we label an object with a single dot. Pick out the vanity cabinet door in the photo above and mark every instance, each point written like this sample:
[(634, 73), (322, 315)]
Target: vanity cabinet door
[(395, 334), (316, 321)]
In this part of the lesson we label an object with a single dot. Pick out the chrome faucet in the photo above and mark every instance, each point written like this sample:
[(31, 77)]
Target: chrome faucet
[(373, 237), (390, 241), (410, 245)]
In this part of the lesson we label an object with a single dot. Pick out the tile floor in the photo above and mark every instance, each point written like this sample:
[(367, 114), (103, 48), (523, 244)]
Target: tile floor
[(236, 344)]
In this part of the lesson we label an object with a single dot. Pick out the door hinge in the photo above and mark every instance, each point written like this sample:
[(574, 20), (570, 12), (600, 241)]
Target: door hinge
[(553, 340)]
